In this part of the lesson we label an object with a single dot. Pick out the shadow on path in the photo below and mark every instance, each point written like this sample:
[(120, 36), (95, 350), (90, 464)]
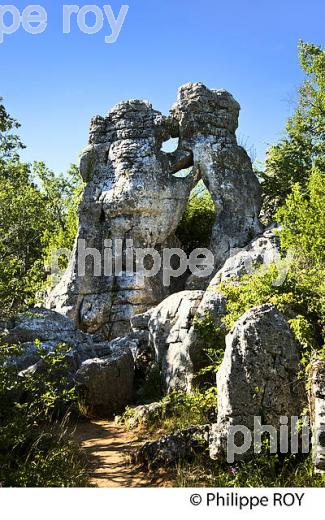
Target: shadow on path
[(107, 447)]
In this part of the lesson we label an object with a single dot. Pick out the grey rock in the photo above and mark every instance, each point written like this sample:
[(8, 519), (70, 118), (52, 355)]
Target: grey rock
[(105, 385), (263, 250), (132, 193), (50, 329), (258, 376), (170, 449), (141, 416), (208, 120), (173, 336), (169, 326)]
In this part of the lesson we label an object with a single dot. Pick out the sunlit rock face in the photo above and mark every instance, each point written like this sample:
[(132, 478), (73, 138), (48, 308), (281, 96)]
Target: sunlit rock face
[(208, 120), (132, 193)]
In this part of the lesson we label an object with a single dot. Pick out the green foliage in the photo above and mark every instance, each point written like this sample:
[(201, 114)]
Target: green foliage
[(292, 159), (297, 302), (181, 410), (176, 411), (194, 230), (213, 340), (10, 143), (38, 212), (262, 470), (23, 221), (35, 446)]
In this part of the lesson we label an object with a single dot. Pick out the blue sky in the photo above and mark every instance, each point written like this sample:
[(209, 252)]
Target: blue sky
[(54, 83)]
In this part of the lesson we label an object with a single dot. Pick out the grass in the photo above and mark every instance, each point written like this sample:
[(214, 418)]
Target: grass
[(261, 471)]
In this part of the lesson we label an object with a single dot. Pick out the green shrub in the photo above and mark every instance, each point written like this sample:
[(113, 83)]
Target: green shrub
[(263, 470), (187, 409), (36, 448), (291, 160), (195, 228), (212, 339)]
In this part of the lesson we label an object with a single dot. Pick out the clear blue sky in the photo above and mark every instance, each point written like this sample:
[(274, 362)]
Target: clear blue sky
[(54, 83)]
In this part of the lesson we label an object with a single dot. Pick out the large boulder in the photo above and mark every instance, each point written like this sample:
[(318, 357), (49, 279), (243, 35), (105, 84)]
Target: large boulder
[(173, 448), (258, 376), (174, 337), (169, 326), (50, 329), (105, 385), (102, 371)]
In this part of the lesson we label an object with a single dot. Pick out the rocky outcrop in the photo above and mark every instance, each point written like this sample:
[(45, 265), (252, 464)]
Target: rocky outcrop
[(264, 250), (208, 120), (132, 193), (174, 337), (50, 329), (105, 385), (317, 407), (170, 449), (103, 371), (169, 326), (258, 376)]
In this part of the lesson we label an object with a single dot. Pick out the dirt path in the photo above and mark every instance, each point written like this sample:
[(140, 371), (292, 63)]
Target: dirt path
[(107, 447)]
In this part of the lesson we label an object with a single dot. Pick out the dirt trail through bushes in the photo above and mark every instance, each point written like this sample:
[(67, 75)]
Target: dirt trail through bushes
[(107, 448)]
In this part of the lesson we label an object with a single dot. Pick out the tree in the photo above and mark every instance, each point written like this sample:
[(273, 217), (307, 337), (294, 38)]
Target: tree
[(291, 160), (38, 211), (10, 143)]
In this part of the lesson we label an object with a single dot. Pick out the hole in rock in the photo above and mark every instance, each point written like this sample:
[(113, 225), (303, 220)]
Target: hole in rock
[(195, 229), (182, 174), (171, 145)]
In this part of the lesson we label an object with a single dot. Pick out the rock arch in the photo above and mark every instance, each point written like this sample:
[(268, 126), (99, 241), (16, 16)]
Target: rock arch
[(132, 193)]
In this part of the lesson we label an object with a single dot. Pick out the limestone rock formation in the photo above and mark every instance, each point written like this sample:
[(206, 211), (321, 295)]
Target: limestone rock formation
[(105, 385), (208, 120), (179, 350), (104, 371), (263, 250), (169, 326), (169, 449), (132, 193), (258, 376), (51, 329)]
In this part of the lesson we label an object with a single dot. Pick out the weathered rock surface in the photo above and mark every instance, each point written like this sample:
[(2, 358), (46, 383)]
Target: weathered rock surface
[(133, 194), (169, 326), (258, 376), (317, 406), (261, 251), (104, 371), (181, 445), (142, 415), (51, 329), (105, 385), (174, 338), (264, 250), (208, 120)]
